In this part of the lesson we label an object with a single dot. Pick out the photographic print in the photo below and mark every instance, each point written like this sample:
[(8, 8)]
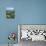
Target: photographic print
[(10, 13)]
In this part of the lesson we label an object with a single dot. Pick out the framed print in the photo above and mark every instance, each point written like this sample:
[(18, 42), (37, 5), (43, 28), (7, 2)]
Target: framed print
[(10, 13), (32, 32)]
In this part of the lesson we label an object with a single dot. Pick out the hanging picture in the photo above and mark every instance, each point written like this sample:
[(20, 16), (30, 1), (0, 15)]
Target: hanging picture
[(10, 13)]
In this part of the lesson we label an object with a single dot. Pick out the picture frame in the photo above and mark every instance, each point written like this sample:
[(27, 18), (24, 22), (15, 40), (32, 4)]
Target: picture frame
[(10, 13)]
